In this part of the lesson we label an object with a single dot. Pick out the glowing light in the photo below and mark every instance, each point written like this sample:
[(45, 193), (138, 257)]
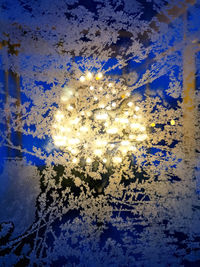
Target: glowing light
[(172, 122), (132, 148), (59, 116), (152, 124), (102, 106), (100, 142), (135, 125), (123, 120), (117, 160), (89, 113), (60, 140), (131, 136), (75, 121), (83, 129), (142, 128), (102, 116), (141, 137), (70, 108), (74, 151), (64, 98), (67, 129), (112, 131), (130, 104), (82, 79), (114, 104), (98, 152), (125, 143), (88, 160), (99, 76), (89, 76), (62, 129), (124, 150), (70, 92), (74, 141), (112, 135), (75, 160)]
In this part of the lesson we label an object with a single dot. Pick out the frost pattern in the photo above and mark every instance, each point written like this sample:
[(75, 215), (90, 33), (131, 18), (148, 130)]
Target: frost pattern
[(100, 102)]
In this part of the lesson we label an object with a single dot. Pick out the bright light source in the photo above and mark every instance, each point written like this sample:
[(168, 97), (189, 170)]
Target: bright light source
[(117, 160), (82, 79), (84, 129), (89, 76), (114, 104), (172, 122), (70, 108), (131, 136), (137, 108), (74, 151), (99, 76), (142, 128), (130, 104), (64, 98), (74, 141), (132, 148), (75, 121), (100, 142), (75, 160), (135, 125), (102, 116), (102, 106), (91, 88), (123, 120), (88, 160), (104, 160), (98, 152), (89, 113), (59, 116), (125, 143), (113, 130), (60, 140), (141, 137)]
